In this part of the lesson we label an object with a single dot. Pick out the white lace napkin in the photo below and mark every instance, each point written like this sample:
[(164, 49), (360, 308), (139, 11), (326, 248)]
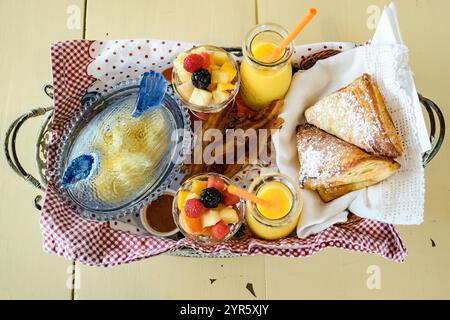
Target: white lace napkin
[(398, 200), (388, 32)]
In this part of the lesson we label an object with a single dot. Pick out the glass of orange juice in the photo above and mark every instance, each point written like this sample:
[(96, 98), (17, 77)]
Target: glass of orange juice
[(281, 218), (265, 77)]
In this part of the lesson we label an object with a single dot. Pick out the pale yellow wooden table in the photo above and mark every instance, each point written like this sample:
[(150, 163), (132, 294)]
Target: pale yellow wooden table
[(27, 27)]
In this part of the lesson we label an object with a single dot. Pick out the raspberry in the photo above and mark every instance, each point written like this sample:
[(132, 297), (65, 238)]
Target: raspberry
[(194, 208), (220, 230), (206, 59), (229, 199), (193, 62), (201, 79)]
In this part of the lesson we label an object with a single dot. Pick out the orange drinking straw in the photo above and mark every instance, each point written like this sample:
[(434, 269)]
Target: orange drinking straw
[(248, 196), (298, 28)]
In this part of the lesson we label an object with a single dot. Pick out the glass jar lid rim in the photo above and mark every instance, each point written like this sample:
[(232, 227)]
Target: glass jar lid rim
[(295, 203), (267, 27)]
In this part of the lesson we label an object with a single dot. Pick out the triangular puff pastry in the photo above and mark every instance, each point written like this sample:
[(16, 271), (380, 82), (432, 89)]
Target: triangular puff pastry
[(358, 114), (333, 167)]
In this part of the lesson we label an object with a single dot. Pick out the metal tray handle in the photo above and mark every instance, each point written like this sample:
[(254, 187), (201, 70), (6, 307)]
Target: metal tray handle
[(435, 115), (9, 146), (436, 138)]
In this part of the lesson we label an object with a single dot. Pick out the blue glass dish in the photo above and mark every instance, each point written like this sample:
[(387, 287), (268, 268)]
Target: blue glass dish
[(82, 138)]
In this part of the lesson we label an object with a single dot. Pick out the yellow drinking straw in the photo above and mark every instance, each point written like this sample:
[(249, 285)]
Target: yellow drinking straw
[(248, 196), (298, 28)]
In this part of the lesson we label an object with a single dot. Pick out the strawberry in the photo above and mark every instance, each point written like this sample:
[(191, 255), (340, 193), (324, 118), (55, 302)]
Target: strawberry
[(193, 62), (220, 230), (229, 199), (206, 59), (194, 208), (216, 183)]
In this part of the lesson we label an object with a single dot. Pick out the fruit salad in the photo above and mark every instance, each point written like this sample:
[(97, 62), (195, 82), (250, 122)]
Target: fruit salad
[(206, 211), (206, 78)]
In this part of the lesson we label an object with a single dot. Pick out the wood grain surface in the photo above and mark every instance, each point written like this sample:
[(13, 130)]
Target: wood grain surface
[(28, 27)]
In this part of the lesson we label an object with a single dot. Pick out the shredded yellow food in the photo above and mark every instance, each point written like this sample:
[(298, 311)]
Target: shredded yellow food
[(129, 153)]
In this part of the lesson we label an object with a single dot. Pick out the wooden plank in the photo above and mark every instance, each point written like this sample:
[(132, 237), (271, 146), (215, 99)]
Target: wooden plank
[(27, 29), (337, 274), (202, 21), (165, 277), (342, 20)]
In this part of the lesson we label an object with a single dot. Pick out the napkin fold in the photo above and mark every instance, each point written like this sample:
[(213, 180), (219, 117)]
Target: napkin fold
[(398, 200), (388, 32)]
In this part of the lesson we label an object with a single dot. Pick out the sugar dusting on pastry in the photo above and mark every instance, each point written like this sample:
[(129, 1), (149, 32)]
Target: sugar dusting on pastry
[(314, 161), (334, 167), (317, 159), (356, 106)]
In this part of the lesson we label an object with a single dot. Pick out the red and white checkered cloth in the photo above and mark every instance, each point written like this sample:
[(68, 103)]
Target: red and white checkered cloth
[(95, 243)]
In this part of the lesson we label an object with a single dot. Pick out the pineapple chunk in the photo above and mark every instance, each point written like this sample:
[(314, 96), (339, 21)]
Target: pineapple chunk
[(225, 86), (215, 67), (230, 70), (200, 97), (186, 89), (184, 75), (220, 96), (192, 195), (220, 58), (178, 63), (211, 57), (210, 218), (198, 50), (181, 199), (218, 76), (198, 186), (229, 215)]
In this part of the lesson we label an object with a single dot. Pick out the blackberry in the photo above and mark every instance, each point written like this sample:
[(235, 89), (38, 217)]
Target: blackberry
[(201, 79), (211, 197)]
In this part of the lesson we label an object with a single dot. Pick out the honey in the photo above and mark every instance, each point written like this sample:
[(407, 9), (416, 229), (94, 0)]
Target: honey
[(158, 214)]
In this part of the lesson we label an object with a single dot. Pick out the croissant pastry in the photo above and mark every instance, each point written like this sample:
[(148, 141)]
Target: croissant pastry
[(333, 167), (357, 114)]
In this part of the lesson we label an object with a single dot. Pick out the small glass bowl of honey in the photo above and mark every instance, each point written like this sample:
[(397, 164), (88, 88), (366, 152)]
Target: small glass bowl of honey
[(157, 217)]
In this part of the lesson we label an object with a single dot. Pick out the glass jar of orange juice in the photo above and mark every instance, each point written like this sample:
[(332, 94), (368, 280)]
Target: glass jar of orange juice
[(281, 218), (265, 77)]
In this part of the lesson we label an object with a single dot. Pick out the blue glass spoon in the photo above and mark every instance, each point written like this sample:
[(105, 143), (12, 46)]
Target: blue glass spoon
[(80, 168), (152, 90)]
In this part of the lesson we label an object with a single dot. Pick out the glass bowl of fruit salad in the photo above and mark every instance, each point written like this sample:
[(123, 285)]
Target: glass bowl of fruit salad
[(206, 78), (205, 211)]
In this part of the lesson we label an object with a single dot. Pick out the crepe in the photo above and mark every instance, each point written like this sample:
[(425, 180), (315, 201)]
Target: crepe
[(357, 114), (333, 167)]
